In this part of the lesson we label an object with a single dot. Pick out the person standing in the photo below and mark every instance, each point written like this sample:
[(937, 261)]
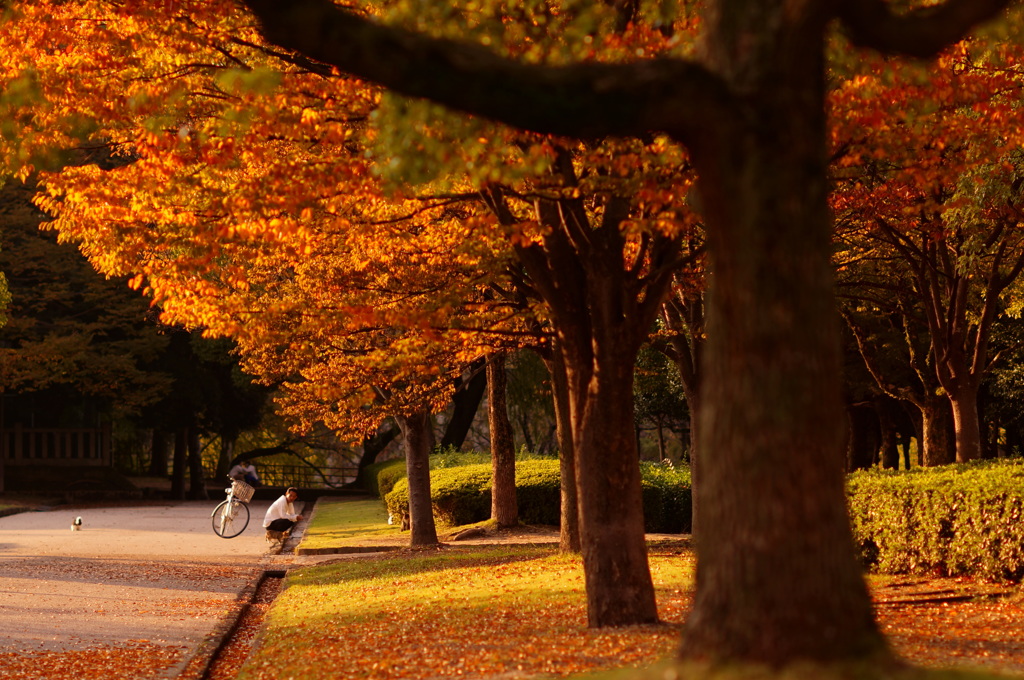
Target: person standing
[(281, 515)]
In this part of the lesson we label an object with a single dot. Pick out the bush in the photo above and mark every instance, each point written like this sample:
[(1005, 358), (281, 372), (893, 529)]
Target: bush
[(380, 478), (667, 498), (952, 520), (462, 495), (539, 491)]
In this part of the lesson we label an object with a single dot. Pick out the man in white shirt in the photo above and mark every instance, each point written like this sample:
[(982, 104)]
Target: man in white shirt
[(281, 515)]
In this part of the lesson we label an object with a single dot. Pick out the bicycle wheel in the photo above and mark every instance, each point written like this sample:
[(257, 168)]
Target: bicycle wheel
[(230, 518)]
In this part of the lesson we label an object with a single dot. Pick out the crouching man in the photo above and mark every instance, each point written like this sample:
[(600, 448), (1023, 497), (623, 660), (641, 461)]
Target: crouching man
[(281, 515)]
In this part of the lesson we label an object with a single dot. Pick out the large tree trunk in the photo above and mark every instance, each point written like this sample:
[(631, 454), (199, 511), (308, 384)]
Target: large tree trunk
[(504, 508), (418, 442), (937, 442), (618, 579), (966, 424), (569, 527), (777, 576)]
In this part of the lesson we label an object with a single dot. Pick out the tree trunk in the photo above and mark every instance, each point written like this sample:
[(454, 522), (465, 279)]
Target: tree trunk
[(227, 454), (685, 316), (197, 480), (465, 402), (966, 424), (601, 311), (618, 579), (695, 459), (180, 462), (373, 446), (569, 527), (504, 509), (937, 442), (524, 426), (888, 411), (889, 450), (418, 440), (158, 454), (777, 575)]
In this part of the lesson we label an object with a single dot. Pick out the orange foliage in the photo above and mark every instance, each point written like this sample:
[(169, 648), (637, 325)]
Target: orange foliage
[(239, 187), (234, 186)]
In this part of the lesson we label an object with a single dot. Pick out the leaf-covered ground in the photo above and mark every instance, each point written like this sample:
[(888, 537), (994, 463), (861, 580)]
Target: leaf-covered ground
[(456, 613), (519, 613), (505, 613), (153, 602), (136, 659), (947, 622)]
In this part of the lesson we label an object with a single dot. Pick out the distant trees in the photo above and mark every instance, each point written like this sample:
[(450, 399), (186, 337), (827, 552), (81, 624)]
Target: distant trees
[(86, 343), (931, 228), (81, 348)]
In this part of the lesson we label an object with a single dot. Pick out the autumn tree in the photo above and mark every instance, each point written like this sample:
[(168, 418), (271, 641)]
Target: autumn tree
[(932, 200), (682, 317), (577, 221), (342, 295), (891, 339), (780, 583)]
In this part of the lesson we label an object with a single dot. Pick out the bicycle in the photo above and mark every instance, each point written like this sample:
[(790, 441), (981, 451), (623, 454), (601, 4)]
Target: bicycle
[(231, 516)]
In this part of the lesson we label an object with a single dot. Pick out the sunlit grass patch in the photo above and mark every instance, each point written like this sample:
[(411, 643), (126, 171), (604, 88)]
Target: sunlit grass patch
[(456, 612), (339, 522)]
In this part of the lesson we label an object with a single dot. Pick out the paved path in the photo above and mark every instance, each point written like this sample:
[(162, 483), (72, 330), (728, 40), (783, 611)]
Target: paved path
[(149, 581)]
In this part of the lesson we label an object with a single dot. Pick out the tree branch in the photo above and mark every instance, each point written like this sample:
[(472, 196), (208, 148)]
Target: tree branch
[(584, 100), (922, 32)]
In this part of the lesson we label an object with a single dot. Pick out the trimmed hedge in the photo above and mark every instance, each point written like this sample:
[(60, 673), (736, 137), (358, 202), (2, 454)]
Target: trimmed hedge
[(951, 520), (462, 495), (380, 478), (668, 508)]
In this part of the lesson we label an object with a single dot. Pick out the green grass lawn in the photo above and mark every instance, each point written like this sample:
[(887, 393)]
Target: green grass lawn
[(349, 523)]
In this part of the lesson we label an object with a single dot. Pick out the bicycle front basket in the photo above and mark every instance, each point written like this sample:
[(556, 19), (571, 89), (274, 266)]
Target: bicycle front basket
[(242, 491)]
